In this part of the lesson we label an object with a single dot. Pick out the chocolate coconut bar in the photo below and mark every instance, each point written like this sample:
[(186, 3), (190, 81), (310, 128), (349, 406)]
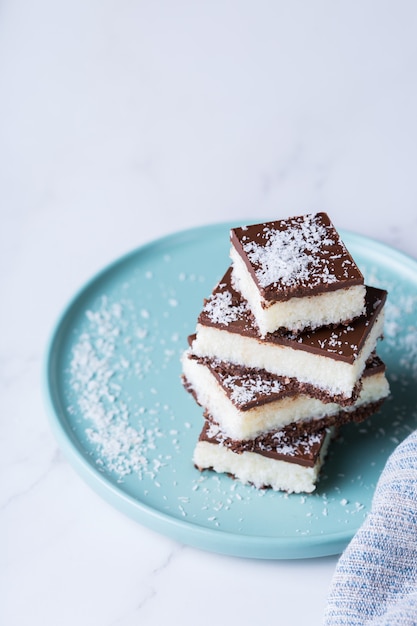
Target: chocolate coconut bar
[(283, 460), (296, 274), (247, 402), (332, 359)]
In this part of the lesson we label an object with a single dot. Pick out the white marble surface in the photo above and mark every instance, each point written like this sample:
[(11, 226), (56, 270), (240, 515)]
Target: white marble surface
[(124, 121)]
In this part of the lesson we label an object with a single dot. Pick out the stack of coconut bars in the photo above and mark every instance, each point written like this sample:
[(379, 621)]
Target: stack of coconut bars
[(284, 354)]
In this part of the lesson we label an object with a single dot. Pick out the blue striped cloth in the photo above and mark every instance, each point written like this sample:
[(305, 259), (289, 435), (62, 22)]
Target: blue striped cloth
[(375, 582)]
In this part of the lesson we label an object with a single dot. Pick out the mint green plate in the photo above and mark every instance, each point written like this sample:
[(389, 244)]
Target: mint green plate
[(120, 414)]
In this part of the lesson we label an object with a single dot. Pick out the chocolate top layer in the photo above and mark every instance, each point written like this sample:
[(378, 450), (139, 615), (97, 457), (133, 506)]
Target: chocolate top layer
[(285, 444), (247, 388), (296, 257), (227, 310)]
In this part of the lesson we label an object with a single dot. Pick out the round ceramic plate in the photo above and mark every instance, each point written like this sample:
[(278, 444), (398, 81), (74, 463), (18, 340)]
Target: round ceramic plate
[(121, 415)]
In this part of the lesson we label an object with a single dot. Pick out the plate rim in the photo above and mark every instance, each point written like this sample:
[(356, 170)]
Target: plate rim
[(182, 530)]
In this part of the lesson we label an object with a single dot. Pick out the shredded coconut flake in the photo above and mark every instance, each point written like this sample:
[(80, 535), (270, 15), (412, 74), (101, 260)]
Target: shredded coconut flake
[(291, 256), (95, 365), (221, 310), (246, 389)]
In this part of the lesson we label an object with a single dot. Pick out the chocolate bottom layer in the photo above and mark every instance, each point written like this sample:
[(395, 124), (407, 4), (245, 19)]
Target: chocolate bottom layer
[(282, 445), (296, 443)]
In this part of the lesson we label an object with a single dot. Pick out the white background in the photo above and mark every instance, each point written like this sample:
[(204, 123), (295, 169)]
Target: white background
[(122, 121)]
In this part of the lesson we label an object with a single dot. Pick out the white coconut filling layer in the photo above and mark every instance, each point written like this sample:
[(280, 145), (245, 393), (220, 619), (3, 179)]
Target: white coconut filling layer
[(258, 470), (238, 424), (296, 314), (325, 372)]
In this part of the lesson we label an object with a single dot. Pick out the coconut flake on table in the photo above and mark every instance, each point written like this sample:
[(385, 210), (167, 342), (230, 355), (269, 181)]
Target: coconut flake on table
[(95, 371)]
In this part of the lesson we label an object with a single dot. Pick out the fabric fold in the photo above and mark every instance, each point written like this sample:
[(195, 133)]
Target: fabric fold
[(375, 582)]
